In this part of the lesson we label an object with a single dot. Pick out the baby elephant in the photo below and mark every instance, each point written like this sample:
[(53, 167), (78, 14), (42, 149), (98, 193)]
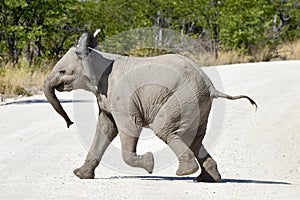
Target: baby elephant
[(169, 94)]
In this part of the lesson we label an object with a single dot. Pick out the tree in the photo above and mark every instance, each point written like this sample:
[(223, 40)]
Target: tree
[(47, 28), (11, 13), (246, 25), (251, 25), (38, 27), (288, 14)]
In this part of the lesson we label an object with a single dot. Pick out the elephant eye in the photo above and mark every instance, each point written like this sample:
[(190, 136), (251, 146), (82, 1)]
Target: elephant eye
[(62, 71)]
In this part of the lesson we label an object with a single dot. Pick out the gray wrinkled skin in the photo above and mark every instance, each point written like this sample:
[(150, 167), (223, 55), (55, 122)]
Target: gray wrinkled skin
[(167, 93)]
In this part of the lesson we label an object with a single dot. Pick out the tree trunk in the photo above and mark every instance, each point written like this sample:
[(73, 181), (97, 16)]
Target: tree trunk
[(215, 28)]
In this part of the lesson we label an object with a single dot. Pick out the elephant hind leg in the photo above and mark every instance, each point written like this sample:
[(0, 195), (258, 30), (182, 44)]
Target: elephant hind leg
[(166, 125), (186, 158), (209, 169)]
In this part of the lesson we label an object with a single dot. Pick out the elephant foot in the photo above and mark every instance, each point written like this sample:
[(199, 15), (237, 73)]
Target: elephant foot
[(84, 173), (148, 161), (209, 172), (187, 167), (87, 171), (145, 161)]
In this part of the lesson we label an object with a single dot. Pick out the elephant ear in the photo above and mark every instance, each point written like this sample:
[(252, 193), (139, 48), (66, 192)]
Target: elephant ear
[(86, 40)]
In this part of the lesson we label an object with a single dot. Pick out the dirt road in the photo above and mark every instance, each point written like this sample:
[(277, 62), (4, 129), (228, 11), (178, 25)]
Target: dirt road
[(257, 152)]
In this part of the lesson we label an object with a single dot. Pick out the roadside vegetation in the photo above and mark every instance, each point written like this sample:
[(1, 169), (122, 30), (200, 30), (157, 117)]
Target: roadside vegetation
[(22, 80), (34, 34)]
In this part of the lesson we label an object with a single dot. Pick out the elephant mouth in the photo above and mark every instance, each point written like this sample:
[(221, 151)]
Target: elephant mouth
[(63, 87)]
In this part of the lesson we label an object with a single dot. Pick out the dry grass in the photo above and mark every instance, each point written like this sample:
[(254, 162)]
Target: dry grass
[(21, 79), (231, 57), (290, 51)]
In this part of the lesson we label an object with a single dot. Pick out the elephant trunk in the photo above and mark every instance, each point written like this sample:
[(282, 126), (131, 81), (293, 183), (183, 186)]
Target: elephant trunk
[(51, 97)]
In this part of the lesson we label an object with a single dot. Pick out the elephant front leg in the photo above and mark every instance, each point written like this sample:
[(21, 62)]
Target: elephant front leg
[(87, 170), (129, 142), (106, 131)]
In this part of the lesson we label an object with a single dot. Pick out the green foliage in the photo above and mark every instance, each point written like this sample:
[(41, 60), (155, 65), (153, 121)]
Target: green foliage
[(2, 72), (291, 11), (248, 24), (255, 25), (41, 29), (38, 27)]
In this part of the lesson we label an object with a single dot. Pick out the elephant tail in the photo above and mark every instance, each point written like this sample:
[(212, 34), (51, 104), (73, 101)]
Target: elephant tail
[(218, 94)]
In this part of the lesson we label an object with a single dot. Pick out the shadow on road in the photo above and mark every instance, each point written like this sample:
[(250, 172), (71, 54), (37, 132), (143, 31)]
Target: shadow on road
[(175, 178), (40, 101), (154, 178), (254, 181)]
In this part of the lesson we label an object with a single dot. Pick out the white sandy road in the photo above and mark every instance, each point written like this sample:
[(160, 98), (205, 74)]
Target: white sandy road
[(257, 153)]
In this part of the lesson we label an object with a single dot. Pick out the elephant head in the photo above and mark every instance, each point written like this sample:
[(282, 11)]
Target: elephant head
[(80, 68)]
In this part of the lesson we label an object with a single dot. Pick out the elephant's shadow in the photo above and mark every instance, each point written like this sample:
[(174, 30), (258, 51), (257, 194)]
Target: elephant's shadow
[(41, 101), (192, 179)]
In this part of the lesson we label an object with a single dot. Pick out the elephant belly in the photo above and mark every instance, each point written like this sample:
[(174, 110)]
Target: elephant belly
[(147, 101)]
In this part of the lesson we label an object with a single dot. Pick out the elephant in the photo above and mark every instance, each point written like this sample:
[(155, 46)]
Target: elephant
[(169, 94)]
